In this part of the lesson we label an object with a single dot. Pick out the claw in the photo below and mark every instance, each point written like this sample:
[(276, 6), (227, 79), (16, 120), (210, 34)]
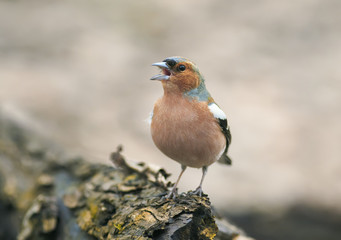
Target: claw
[(172, 194), (198, 192)]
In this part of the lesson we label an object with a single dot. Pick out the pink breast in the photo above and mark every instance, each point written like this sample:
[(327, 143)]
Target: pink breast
[(187, 133)]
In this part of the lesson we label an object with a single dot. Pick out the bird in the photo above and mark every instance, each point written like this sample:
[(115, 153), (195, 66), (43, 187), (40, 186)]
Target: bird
[(186, 124)]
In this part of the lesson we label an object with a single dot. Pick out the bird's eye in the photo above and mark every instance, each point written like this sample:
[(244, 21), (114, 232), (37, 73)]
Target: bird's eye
[(182, 67)]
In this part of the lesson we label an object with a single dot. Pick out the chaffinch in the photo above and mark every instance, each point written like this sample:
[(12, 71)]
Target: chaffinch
[(186, 124)]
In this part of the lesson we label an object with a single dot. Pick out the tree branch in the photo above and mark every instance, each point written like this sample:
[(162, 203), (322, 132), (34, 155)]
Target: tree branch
[(45, 195)]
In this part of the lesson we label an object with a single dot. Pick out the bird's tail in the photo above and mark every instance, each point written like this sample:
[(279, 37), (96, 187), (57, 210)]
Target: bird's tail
[(224, 159)]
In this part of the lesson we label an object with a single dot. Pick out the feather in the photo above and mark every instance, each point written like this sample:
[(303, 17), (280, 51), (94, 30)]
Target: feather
[(225, 129)]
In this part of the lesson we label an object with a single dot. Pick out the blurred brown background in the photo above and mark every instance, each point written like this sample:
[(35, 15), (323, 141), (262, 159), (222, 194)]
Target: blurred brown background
[(78, 71)]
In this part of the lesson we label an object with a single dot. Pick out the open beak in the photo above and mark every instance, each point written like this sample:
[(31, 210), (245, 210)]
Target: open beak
[(165, 71)]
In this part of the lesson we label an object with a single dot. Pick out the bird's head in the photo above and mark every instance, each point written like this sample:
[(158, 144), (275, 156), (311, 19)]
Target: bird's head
[(178, 75)]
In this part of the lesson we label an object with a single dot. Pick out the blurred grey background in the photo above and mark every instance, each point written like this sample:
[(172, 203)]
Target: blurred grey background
[(78, 71)]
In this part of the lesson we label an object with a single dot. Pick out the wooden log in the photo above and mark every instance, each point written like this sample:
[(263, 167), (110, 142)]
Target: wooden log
[(45, 195)]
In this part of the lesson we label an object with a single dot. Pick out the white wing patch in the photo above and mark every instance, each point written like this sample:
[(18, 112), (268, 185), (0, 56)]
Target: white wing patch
[(217, 112)]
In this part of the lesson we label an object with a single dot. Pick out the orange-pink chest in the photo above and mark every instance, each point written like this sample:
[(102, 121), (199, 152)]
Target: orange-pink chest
[(186, 131)]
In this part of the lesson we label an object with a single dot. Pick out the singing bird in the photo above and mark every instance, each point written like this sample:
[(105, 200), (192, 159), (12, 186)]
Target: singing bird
[(186, 124)]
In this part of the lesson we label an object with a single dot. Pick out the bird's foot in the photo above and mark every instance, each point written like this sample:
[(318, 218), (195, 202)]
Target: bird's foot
[(198, 192), (171, 195)]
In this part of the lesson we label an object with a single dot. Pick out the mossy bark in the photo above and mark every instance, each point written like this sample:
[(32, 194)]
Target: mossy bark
[(45, 195)]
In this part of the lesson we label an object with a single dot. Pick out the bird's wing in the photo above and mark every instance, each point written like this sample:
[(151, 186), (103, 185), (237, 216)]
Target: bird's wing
[(221, 118)]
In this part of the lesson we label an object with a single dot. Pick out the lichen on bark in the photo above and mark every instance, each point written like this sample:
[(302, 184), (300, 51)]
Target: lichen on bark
[(46, 195)]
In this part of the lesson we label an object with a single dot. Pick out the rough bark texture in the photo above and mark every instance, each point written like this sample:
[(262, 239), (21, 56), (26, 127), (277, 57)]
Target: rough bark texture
[(44, 195)]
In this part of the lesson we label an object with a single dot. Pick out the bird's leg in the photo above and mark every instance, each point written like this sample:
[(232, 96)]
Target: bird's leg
[(199, 191), (173, 192)]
